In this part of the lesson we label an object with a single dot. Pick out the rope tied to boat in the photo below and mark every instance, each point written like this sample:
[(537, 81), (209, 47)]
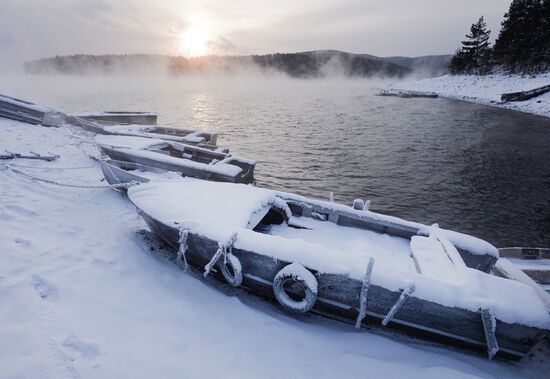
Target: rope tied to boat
[(182, 241), (53, 168), (405, 295), (364, 292), (87, 186), (224, 248)]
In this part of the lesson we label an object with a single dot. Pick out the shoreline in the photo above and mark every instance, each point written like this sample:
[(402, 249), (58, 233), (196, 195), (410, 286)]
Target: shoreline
[(89, 294), (483, 90)]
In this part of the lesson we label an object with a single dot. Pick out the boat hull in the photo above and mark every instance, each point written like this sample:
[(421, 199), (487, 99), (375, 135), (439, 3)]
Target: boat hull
[(339, 298)]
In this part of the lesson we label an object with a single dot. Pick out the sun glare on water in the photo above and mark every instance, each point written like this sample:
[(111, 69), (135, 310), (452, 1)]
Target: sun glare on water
[(194, 41)]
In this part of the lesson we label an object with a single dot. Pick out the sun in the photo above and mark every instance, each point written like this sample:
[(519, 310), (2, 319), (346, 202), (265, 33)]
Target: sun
[(194, 41)]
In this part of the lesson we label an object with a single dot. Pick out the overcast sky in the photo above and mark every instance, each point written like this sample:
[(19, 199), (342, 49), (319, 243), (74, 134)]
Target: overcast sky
[(38, 28)]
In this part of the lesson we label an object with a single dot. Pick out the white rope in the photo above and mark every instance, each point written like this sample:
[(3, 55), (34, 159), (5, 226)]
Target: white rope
[(405, 294), (49, 181), (181, 258), (223, 248), (364, 291), (52, 168)]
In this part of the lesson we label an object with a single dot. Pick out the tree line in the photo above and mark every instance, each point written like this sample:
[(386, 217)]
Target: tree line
[(312, 64), (522, 45)]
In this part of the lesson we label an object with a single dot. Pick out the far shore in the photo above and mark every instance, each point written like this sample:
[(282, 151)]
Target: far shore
[(480, 89)]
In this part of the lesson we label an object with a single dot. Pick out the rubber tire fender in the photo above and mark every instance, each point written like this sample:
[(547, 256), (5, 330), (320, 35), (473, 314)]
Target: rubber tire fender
[(298, 274), (234, 278)]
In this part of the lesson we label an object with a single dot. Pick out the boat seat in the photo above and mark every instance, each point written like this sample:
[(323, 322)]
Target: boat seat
[(432, 259)]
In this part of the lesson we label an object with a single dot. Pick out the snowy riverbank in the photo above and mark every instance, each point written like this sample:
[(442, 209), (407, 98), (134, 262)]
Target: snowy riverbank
[(484, 90), (83, 293)]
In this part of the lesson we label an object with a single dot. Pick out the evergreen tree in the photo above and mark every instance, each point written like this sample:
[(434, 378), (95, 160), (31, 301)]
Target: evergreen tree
[(474, 54), (523, 42), (459, 62), (544, 36), (476, 47)]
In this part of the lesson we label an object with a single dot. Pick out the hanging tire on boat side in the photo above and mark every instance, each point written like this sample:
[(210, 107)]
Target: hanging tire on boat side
[(295, 288), (232, 270)]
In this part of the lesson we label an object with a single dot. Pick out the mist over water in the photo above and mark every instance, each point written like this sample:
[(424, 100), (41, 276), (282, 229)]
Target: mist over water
[(471, 168)]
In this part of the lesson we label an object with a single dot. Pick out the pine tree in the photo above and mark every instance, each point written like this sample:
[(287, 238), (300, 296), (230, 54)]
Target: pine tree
[(544, 36), (477, 45), (459, 63), (474, 54), (523, 42)]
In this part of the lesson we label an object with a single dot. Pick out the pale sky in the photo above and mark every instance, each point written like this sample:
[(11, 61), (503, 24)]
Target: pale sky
[(40, 28)]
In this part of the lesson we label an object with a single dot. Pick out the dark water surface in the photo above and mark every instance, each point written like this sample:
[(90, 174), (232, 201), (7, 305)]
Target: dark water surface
[(475, 169)]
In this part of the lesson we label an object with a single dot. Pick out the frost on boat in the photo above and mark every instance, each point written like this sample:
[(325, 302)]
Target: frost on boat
[(188, 136), (187, 160), (352, 265), (25, 111), (143, 118)]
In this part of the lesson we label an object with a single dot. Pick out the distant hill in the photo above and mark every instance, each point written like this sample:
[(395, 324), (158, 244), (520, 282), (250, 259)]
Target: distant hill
[(309, 64), (427, 65)]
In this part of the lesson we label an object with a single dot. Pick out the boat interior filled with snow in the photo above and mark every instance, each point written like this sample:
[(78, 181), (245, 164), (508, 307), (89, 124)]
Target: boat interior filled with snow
[(349, 264), (120, 117), (188, 160), (121, 174), (169, 133)]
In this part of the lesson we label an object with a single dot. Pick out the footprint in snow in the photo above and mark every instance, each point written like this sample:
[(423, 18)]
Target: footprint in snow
[(45, 289), (21, 210), (23, 242), (86, 350)]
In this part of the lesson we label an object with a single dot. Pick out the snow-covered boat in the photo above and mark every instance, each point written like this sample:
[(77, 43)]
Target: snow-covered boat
[(352, 265), (169, 133), (193, 161), (25, 111), (120, 117)]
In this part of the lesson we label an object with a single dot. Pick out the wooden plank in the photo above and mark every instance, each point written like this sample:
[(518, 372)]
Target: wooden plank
[(505, 268)]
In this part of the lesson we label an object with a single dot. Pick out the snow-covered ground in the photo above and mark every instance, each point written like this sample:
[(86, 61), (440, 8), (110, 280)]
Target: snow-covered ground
[(483, 90), (84, 293)]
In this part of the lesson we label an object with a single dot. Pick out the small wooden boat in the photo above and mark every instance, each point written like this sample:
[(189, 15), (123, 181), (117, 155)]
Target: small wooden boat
[(193, 161), (524, 95), (352, 265), (168, 133), (406, 93), (118, 117), (25, 111)]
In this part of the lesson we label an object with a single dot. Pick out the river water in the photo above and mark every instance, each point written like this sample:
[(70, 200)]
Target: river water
[(471, 168)]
